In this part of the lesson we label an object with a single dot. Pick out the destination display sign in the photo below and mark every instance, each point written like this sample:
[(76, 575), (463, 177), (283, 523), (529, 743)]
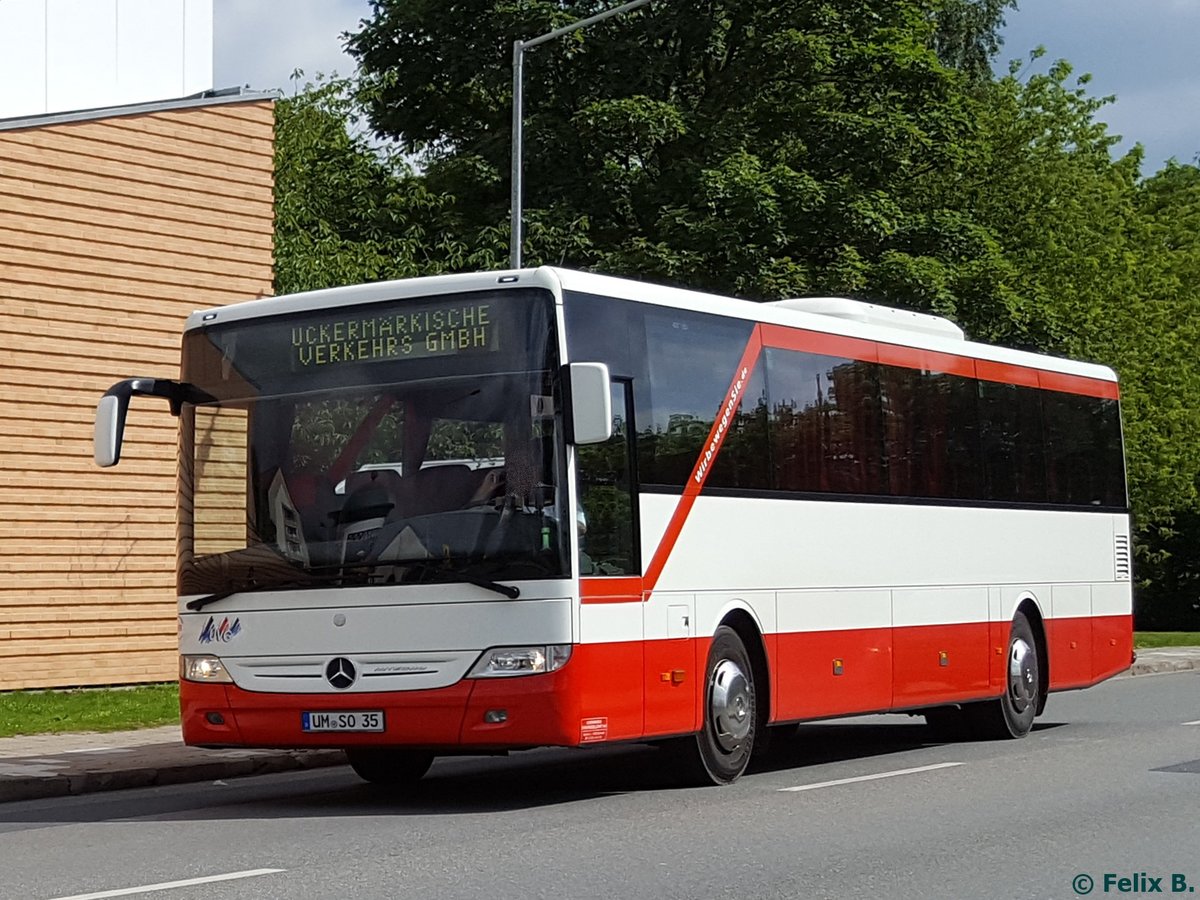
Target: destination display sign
[(404, 331), (387, 341)]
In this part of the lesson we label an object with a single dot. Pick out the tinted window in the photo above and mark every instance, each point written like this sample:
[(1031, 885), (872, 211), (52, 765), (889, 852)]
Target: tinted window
[(1083, 450), (1010, 435), (607, 539), (598, 330), (824, 422), (690, 360), (745, 458), (931, 433)]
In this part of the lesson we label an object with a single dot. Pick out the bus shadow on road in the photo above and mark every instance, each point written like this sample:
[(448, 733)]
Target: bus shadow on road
[(551, 777), (536, 779), (818, 743), (814, 744), (544, 778)]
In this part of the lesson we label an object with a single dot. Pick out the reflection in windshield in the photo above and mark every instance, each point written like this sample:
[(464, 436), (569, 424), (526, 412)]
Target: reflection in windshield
[(440, 480)]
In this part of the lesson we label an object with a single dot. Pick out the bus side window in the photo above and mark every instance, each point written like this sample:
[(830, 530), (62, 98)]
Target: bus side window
[(606, 499)]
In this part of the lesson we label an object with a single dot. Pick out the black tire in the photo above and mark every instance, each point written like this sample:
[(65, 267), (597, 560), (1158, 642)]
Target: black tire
[(1012, 715), (389, 766), (720, 752)]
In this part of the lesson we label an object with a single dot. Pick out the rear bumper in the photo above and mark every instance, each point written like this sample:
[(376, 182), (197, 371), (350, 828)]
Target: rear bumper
[(540, 711)]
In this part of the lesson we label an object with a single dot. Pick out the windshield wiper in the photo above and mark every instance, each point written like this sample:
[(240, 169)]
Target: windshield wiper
[(450, 576), (334, 573), (313, 578), (200, 602)]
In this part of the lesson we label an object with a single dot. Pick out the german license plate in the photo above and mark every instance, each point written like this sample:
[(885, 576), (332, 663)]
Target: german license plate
[(335, 720)]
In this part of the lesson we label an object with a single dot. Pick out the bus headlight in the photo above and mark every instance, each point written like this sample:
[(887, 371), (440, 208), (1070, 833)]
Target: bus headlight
[(505, 662), (207, 669)]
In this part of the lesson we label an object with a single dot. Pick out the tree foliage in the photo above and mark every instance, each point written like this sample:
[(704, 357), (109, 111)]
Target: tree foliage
[(349, 209), (770, 150), (765, 149)]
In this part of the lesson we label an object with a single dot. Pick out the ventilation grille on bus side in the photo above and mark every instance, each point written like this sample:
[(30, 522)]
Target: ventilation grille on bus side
[(1121, 556)]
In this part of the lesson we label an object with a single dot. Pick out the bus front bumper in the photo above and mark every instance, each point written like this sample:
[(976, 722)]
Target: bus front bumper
[(472, 715)]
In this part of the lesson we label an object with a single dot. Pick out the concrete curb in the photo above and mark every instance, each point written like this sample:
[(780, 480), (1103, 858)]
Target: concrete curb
[(146, 772), (1165, 659)]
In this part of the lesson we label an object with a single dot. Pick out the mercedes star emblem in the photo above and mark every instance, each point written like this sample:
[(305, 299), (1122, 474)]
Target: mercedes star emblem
[(340, 672)]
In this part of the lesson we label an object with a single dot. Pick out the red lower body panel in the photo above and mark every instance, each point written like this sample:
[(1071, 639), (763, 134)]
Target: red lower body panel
[(941, 664), (633, 689), (827, 673), (1069, 644), (1112, 646), (1084, 651)]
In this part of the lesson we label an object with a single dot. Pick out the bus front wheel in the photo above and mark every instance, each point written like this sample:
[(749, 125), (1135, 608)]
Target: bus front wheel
[(720, 752), (389, 766)]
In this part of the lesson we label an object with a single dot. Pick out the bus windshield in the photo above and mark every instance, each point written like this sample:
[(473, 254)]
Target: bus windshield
[(407, 442)]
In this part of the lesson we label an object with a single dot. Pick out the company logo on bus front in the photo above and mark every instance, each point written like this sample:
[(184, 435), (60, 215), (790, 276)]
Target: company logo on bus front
[(223, 633), (340, 672)]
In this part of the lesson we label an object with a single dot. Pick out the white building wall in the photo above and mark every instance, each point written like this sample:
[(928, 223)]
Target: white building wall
[(63, 55)]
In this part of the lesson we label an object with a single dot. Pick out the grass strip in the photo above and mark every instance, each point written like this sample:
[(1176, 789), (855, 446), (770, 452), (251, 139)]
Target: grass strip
[(1144, 640), (88, 709)]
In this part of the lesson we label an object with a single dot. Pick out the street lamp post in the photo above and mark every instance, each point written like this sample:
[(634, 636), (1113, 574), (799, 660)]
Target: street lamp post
[(519, 48)]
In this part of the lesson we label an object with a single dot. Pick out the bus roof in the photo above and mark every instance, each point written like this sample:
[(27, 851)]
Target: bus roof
[(557, 280)]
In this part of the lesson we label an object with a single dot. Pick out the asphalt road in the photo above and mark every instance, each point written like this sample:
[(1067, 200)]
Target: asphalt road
[(1108, 784)]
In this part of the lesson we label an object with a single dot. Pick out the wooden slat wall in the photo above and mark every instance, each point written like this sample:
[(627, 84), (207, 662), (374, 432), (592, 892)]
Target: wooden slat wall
[(221, 468), (112, 231)]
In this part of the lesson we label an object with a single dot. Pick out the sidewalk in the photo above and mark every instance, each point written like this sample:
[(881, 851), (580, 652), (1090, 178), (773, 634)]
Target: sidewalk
[(57, 765)]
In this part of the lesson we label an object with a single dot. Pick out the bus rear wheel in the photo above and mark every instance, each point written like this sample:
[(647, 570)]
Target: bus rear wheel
[(720, 752), (1012, 715), (389, 766)]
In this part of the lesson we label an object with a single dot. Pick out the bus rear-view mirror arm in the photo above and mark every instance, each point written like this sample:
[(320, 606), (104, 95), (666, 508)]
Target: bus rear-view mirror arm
[(114, 406), (589, 401)]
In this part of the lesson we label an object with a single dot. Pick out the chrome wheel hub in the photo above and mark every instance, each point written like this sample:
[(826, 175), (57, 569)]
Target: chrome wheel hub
[(730, 701), (1022, 675)]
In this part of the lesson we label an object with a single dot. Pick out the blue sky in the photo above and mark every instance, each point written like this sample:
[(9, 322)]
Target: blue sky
[(1143, 51)]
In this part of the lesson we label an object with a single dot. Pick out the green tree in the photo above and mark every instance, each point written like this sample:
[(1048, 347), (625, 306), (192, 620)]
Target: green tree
[(348, 209), (968, 34), (1167, 372), (768, 150)]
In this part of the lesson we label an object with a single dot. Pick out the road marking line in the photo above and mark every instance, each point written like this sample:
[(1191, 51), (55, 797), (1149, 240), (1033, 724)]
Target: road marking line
[(823, 784), (168, 885), (1197, 722)]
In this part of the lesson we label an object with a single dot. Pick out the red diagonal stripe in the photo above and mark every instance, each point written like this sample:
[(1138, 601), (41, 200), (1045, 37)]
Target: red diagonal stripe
[(708, 457)]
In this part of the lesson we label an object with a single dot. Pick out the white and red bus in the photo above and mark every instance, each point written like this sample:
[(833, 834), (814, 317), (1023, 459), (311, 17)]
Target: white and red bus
[(484, 512)]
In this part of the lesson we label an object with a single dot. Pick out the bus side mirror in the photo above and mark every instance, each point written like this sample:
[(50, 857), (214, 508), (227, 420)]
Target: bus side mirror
[(590, 390), (114, 406), (110, 428)]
